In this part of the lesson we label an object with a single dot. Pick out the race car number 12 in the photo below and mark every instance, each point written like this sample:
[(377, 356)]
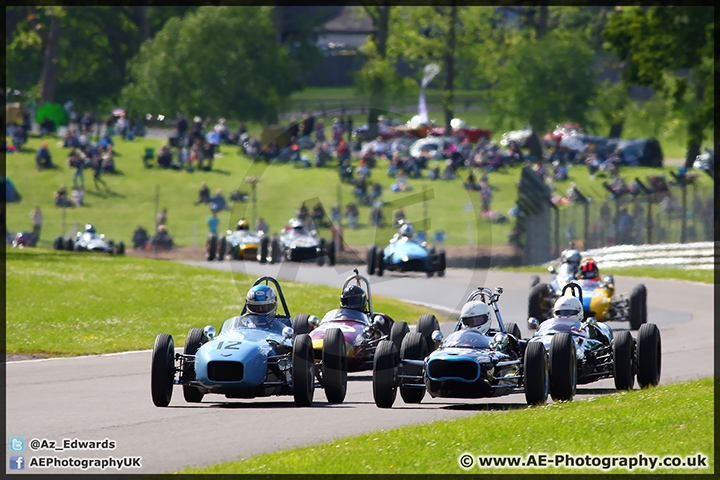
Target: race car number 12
[(229, 345)]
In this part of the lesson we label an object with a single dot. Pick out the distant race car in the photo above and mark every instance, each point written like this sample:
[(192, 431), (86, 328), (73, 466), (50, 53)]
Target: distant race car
[(599, 299), (247, 359), (89, 241), (22, 240), (361, 327), (405, 254), (476, 361), (584, 351), (238, 244), (297, 244)]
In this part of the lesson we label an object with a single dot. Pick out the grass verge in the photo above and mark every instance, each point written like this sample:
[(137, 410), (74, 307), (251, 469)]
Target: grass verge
[(695, 275), (668, 420), (64, 304)]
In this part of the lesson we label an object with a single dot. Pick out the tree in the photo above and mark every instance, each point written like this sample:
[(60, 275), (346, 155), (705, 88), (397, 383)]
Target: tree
[(671, 49), (216, 61)]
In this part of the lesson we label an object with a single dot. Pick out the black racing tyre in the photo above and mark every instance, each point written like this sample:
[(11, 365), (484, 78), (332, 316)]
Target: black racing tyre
[(537, 301), (426, 325), (638, 306), (441, 263), (111, 247), (562, 367), (384, 374), (397, 333), (59, 243), (196, 337), (234, 252), (335, 368), (649, 355), (513, 329), (301, 324), (263, 250), (534, 280), (430, 273), (70, 245), (276, 251), (76, 246), (303, 371), (222, 248), (535, 374), (413, 348), (331, 252), (371, 261), (211, 248), (163, 370), (623, 360), (120, 248), (379, 261)]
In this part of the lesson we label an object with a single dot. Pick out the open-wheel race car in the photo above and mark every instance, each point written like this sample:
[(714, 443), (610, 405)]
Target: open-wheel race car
[(581, 350), (477, 360), (599, 298), (356, 326), (256, 354), (239, 244), (297, 244), (89, 241), (406, 254)]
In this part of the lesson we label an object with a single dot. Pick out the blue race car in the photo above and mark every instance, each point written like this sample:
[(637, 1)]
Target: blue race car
[(405, 254), (255, 354)]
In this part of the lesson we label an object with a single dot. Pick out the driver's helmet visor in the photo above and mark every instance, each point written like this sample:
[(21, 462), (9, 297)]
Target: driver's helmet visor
[(476, 321), (566, 313), (265, 308)]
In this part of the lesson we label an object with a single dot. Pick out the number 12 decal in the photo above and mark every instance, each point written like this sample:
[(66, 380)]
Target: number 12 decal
[(229, 345)]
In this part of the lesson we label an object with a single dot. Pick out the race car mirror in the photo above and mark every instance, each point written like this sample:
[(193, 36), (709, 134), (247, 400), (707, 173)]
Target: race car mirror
[(209, 332), (378, 320), (288, 332), (500, 341), (591, 321), (533, 323), (314, 321), (551, 269), (437, 336)]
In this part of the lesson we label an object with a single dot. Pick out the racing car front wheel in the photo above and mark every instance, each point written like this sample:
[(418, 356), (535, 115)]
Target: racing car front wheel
[(120, 248), (379, 261), (163, 370), (638, 306), (301, 324), (384, 374), (649, 355), (623, 360), (334, 365), (513, 329), (413, 348), (562, 367), (331, 252), (196, 337), (303, 371), (398, 332), (58, 245), (371, 261), (535, 374), (426, 325)]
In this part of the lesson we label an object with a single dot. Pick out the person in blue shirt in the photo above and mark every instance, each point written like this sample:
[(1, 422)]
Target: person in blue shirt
[(213, 222), (43, 158), (106, 140)]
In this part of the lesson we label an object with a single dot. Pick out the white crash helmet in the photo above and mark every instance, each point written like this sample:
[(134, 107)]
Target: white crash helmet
[(476, 314), (569, 309), (297, 224), (407, 230)]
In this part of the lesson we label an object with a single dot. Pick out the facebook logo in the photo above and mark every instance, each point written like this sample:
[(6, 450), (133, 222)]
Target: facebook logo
[(17, 462), (17, 444)]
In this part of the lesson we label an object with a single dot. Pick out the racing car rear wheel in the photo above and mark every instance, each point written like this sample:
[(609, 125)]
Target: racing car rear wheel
[(303, 371), (371, 260), (537, 301), (59, 243), (623, 360), (398, 332), (649, 355), (513, 329), (535, 374), (111, 247), (379, 261), (163, 370), (413, 348), (264, 250), (222, 248), (70, 245), (196, 337), (331, 251), (301, 324), (441, 263), (426, 325), (534, 280), (638, 306), (334, 360), (120, 248), (384, 374), (562, 367), (211, 248)]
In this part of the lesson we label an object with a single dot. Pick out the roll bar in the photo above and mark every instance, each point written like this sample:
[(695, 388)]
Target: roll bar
[(279, 291), (490, 298), (357, 277)]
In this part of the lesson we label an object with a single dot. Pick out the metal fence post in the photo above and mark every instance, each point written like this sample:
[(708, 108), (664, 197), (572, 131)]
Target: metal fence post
[(683, 220), (649, 221)]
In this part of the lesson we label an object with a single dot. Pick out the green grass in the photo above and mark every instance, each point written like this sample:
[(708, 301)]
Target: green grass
[(695, 275), (674, 419), (64, 304)]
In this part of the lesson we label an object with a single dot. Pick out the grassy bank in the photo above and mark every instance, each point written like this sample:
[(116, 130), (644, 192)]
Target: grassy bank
[(668, 420), (63, 304)]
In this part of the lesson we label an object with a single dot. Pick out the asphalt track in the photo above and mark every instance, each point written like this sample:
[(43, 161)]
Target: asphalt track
[(108, 396)]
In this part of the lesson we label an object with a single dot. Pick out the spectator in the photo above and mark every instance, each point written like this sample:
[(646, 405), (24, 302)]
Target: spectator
[(196, 130), (77, 196), (43, 158), (165, 156), (84, 138), (335, 215), (71, 139), (320, 131), (184, 158), (293, 129), (318, 215), (471, 183), (213, 140), (213, 221), (204, 194), (363, 171), (347, 127), (37, 220), (106, 140), (337, 131), (346, 171), (434, 173), (47, 127), (140, 238), (221, 129), (108, 160), (238, 196), (162, 239), (307, 124), (376, 219), (161, 218), (624, 226), (61, 198), (87, 122), (218, 202), (351, 213), (121, 126), (322, 154), (398, 218), (485, 196), (401, 185), (181, 127), (207, 156), (240, 135), (377, 191), (343, 153), (97, 176), (196, 153), (262, 225)]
